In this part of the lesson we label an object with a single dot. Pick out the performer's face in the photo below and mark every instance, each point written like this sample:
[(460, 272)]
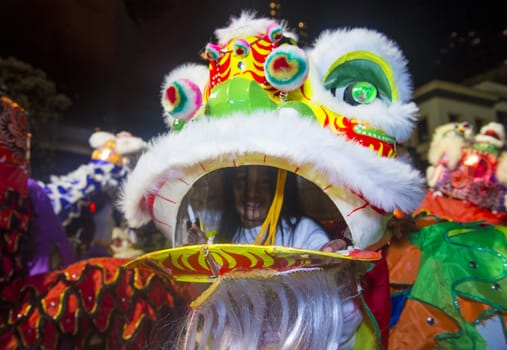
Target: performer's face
[(252, 194)]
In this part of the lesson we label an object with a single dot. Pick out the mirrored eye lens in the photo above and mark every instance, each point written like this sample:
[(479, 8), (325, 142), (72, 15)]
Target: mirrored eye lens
[(361, 92), (364, 92)]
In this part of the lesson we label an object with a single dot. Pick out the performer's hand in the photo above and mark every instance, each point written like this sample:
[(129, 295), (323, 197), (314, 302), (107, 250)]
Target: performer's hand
[(334, 245), (195, 235)]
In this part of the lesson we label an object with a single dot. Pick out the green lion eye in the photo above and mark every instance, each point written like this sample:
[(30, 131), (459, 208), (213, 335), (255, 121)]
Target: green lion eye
[(360, 92)]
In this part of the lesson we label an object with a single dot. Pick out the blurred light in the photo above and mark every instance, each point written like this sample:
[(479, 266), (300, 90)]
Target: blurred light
[(272, 13), (272, 5), (92, 207), (476, 41), (104, 154), (301, 24), (504, 32), (471, 160)]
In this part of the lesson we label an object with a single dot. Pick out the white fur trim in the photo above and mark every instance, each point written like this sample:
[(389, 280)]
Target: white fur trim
[(498, 129), (386, 183), (99, 138), (480, 138), (247, 25), (396, 119), (197, 73), (130, 144), (331, 45), (447, 142), (501, 169)]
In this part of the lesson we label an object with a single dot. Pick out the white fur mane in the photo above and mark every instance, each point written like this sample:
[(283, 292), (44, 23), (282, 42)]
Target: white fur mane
[(385, 182), (247, 25)]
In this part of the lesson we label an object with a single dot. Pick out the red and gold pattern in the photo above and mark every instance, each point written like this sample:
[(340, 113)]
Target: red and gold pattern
[(93, 304), (251, 67), (14, 133), (15, 215), (359, 132)]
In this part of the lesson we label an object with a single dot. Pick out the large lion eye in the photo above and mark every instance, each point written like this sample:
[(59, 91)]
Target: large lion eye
[(360, 92)]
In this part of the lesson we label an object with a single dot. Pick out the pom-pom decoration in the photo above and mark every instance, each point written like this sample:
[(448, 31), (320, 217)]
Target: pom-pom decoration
[(286, 68), (182, 99), (274, 32), (212, 52), (241, 47)]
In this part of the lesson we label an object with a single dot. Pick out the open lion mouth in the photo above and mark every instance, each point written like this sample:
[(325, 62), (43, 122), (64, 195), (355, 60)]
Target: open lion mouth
[(364, 187), (492, 133), (208, 199)]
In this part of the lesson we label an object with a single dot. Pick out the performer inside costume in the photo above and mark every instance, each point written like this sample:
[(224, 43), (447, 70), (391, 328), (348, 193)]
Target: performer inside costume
[(249, 194), (332, 115)]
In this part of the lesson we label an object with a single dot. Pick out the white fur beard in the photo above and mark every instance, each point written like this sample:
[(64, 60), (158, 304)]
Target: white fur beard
[(299, 310)]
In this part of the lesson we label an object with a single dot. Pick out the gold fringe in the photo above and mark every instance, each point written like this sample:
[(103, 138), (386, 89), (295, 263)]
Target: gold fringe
[(257, 274)]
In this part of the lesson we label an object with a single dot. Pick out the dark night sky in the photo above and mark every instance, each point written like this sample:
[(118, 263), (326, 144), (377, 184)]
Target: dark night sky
[(110, 56)]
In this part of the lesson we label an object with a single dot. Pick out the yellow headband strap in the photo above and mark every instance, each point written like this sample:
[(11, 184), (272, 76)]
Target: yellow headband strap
[(271, 220)]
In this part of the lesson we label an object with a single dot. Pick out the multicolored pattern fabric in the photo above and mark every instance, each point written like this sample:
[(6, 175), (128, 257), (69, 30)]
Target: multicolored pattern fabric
[(15, 215), (68, 193), (474, 181), (13, 133), (459, 291), (93, 304)]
